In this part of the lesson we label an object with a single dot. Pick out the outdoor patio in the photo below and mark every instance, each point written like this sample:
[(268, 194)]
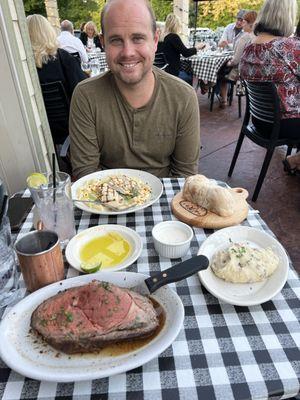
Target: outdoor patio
[(279, 198)]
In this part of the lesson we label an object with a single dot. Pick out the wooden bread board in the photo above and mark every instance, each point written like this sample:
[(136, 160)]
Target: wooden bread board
[(195, 215)]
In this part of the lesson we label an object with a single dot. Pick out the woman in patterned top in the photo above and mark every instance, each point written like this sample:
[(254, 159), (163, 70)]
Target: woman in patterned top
[(274, 56)]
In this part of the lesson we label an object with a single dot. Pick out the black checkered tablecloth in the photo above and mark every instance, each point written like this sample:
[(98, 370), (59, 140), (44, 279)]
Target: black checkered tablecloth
[(100, 56), (206, 67), (222, 351)]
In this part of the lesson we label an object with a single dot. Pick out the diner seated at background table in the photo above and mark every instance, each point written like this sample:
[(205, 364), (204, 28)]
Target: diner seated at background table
[(274, 56), (173, 48), (160, 30), (90, 37), (233, 31), (245, 39), (53, 64), (69, 42), (134, 115)]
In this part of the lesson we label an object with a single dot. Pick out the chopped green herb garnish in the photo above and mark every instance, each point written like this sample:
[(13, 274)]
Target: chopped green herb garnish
[(69, 316), (239, 252)]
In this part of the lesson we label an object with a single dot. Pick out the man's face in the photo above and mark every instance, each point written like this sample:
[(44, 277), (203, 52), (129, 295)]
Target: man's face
[(129, 41), (239, 23)]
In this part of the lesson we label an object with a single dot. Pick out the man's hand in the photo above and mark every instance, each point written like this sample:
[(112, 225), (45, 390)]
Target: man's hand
[(223, 44), (200, 46)]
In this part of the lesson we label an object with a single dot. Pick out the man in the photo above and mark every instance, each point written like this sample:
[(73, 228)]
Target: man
[(233, 31), (135, 115), (69, 42)]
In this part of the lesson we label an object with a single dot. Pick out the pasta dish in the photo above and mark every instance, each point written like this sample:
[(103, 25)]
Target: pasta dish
[(118, 191)]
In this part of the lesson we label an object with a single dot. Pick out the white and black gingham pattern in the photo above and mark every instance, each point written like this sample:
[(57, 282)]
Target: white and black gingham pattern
[(207, 67), (221, 352), (101, 58)]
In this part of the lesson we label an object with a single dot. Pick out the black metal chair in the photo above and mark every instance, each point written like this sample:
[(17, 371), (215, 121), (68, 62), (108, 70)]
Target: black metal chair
[(76, 55), (160, 61), (262, 103), (57, 105), (212, 93), (240, 93)]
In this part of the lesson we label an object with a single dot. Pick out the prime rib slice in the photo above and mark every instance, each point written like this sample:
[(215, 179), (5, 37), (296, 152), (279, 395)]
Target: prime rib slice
[(89, 317)]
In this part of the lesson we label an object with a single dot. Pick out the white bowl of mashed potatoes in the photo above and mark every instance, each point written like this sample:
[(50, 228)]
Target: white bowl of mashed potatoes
[(248, 266)]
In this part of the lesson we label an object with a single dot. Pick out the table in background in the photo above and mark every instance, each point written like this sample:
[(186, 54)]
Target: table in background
[(221, 352), (100, 57), (205, 66)]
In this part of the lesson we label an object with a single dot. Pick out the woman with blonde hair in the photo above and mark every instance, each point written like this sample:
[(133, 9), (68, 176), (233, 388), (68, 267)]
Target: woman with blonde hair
[(53, 64), (274, 56), (90, 37), (160, 26), (174, 47)]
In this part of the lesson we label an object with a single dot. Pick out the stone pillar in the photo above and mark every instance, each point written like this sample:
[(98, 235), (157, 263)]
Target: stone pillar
[(52, 14), (181, 9)]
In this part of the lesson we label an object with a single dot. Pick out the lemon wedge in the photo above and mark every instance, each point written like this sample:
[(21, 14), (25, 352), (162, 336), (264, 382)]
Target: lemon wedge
[(90, 266), (36, 179)]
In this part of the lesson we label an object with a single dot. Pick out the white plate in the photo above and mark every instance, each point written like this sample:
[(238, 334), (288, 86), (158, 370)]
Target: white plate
[(243, 294), (151, 180), (19, 350), (76, 243)]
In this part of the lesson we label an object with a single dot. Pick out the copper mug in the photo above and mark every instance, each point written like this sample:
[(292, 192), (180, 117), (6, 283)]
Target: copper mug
[(40, 259)]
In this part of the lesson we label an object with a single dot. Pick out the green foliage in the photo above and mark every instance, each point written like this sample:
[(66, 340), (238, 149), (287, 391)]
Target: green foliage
[(211, 14), (162, 8), (216, 13), (34, 7), (77, 11)]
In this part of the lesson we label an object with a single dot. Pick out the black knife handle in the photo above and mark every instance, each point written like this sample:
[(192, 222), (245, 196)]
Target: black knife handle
[(177, 272)]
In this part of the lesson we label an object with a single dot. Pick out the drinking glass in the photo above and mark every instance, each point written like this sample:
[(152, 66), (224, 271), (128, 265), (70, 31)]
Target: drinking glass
[(85, 66), (55, 206), (95, 67)]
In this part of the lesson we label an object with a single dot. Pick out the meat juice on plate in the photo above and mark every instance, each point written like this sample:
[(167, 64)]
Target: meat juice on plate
[(120, 348)]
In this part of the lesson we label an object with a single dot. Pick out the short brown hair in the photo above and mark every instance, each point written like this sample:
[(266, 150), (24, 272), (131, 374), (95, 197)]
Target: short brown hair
[(151, 12), (250, 17)]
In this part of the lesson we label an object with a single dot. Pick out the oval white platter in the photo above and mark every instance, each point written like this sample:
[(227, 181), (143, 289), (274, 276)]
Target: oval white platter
[(151, 180), (22, 352), (76, 243), (243, 294)]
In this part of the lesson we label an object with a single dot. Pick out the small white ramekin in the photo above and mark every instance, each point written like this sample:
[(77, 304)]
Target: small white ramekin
[(172, 239)]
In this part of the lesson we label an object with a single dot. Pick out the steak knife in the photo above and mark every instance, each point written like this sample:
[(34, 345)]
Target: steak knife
[(173, 274)]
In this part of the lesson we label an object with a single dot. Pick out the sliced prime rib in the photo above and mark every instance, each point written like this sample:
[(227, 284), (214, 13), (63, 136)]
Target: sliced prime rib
[(89, 317)]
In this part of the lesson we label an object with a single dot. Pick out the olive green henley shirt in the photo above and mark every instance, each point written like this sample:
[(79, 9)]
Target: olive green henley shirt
[(162, 137)]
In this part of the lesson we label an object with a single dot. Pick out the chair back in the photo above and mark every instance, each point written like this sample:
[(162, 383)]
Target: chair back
[(160, 61), (57, 106), (76, 55), (262, 103)]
